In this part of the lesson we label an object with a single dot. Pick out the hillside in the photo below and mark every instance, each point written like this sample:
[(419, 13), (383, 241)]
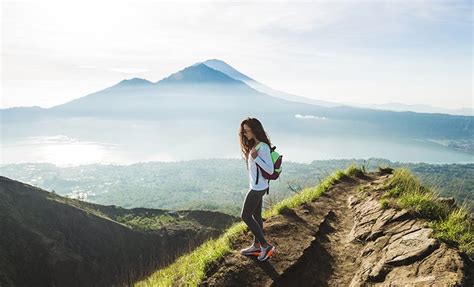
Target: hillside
[(355, 229), (49, 240)]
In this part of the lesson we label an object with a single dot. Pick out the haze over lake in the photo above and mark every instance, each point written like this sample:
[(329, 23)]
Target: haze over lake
[(66, 151)]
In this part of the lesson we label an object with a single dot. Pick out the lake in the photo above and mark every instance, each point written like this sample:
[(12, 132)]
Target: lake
[(64, 150)]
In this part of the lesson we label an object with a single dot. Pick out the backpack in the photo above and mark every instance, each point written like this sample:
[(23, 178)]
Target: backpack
[(276, 159)]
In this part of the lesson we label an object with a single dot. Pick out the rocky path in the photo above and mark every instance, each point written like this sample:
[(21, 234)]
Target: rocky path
[(311, 246), (345, 238)]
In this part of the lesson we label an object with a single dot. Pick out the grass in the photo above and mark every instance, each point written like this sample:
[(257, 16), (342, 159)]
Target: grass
[(354, 170), (450, 224), (385, 203), (190, 269), (454, 228), (307, 195), (424, 204), (404, 180)]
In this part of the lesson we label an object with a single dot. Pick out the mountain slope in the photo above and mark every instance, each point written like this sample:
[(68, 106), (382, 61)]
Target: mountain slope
[(49, 240), (347, 236), (231, 72), (227, 69)]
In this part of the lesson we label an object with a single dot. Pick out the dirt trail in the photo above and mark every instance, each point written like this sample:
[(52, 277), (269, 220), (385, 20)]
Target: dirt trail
[(312, 245), (346, 238)]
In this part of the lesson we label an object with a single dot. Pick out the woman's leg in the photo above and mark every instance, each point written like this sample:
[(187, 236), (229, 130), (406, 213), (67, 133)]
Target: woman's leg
[(257, 215), (252, 201)]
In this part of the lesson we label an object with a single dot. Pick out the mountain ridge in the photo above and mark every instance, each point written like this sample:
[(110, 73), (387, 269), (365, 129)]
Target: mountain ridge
[(49, 240)]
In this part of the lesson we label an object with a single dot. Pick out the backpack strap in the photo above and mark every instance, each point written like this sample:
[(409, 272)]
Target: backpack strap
[(256, 182)]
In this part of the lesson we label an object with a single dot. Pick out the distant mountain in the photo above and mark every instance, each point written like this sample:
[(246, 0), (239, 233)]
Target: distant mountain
[(134, 83), (198, 74), (188, 92), (225, 68), (19, 114), (49, 240), (416, 108), (230, 71), (212, 96)]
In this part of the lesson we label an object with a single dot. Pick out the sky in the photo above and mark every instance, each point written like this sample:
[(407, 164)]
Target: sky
[(366, 52)]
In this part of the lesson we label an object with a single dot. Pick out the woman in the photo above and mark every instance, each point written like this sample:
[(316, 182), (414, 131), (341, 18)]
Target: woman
[(252, 135)]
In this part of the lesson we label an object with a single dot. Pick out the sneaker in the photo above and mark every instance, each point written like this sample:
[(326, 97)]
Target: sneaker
[(266, 252), (253, 250)]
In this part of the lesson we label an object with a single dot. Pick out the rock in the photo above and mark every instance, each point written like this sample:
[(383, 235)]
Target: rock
[(352, 200), (443, 267), (449, 201), (385, 170), (410, 247), (399, 249)]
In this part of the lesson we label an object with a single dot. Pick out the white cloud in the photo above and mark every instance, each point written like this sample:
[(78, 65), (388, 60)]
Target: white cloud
[(299, 116)]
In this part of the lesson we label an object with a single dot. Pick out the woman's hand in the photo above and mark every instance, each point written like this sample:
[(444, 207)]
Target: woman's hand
[(253, 152)]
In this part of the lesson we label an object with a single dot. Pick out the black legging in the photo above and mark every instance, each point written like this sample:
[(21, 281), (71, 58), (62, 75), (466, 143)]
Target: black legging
[(252, 214)]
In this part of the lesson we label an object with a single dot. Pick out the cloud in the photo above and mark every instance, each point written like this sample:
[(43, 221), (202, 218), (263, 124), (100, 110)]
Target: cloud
[(299, 116)]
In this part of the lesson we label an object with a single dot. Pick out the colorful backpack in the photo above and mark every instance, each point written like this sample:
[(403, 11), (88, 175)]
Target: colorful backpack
[(276, 159)]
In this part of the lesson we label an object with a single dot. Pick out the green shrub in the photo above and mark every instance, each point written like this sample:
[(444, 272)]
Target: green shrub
[(384, 203), (354, 170), (423, 203), (404, 181), (456, 227), (394, 192)]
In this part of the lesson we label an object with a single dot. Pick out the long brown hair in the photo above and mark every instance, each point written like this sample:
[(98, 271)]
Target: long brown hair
[(257, 129)]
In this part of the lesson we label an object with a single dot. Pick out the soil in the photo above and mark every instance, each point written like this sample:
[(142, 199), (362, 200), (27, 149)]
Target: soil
[(345, 238), (311, 246)]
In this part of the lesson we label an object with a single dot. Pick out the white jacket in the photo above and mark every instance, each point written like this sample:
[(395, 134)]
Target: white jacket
[(264, 160)]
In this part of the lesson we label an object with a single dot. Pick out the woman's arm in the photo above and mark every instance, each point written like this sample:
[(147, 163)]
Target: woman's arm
[(264, 159)]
